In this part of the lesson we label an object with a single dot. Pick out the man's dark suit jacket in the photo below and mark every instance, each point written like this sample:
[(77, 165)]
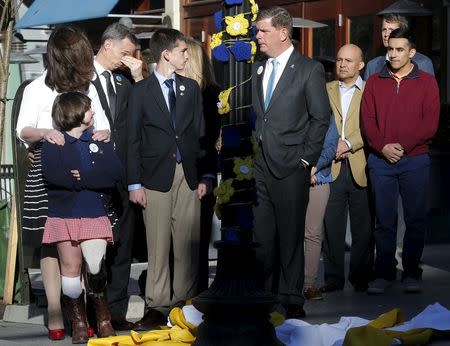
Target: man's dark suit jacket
[(118, 124), (296, 120), (153, 140)]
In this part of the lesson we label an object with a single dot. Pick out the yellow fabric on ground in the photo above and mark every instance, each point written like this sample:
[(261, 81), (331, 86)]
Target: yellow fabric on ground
[(388, 319), (181, 334), (276, 319), (374, 334)]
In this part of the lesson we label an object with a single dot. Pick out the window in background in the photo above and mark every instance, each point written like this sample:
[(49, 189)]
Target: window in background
[(361, 34), (324, 41)]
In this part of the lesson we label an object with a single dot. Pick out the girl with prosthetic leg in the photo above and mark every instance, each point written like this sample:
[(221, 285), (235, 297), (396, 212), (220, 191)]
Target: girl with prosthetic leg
[(78, 175)]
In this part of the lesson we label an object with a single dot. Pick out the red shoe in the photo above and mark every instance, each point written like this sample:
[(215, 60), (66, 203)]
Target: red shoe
[(56, 334), (91, 332)]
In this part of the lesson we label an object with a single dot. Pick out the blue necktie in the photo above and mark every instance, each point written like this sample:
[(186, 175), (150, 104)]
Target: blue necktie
[(172, 100), (271, 84), (172, 108)]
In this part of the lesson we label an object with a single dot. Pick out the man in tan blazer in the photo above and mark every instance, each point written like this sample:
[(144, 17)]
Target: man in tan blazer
[(348, 192)]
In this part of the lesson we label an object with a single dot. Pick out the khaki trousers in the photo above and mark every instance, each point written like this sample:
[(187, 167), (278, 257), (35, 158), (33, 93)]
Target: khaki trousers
[(318, 199), (172, 217)]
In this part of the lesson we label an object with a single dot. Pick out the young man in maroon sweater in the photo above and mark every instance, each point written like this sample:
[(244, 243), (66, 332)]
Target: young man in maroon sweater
[(400, 113)]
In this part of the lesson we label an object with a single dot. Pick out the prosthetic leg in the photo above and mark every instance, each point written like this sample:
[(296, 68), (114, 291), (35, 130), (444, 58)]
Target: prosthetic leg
[(96, 285)]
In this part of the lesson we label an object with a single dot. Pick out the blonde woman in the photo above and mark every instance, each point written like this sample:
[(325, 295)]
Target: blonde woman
[(200, 69)]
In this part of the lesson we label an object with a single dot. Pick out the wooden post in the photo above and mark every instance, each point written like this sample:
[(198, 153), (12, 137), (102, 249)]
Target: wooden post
[(4, 69), (8, 292)]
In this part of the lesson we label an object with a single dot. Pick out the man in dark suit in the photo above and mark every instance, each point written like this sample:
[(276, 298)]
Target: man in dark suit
[(293, 112), (164, 168), (118, 44), (391, 22)]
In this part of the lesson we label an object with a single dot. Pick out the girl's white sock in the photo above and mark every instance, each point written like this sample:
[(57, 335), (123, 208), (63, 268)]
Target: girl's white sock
[(71, 287)]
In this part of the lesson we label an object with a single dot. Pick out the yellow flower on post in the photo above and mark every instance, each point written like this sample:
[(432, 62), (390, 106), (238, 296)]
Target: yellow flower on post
[(223, 105), (254, 9), (253, 51), (216, 39), (237, 25), (224, 191), (253, 47)]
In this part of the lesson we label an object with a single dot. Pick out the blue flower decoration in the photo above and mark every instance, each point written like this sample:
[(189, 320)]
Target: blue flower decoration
[(241, 50), (245, 217), (244, 169), (230, 137), (218, 17), (231, 234), (233, 2), (221, 53)]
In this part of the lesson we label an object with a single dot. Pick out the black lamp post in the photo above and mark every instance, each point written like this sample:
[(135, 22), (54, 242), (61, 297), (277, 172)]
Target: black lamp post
[(236, 308)]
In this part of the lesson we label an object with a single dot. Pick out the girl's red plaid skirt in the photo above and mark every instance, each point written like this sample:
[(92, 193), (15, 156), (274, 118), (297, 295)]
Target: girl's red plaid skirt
[(60, 229)]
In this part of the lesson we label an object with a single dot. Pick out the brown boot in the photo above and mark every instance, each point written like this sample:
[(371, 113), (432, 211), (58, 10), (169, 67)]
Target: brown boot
[(76, 310), (104, 326)]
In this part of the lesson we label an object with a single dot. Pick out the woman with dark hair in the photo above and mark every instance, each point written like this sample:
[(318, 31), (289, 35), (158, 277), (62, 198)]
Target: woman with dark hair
[(69, 67)]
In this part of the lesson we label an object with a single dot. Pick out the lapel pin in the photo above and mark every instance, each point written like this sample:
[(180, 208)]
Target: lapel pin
[(182, 88), (292, 66), (259, 71), (93, 147), (118, 78), (181, 94)]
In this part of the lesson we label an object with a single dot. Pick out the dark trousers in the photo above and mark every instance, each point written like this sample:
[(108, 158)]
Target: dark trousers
[(206, 216), (119, 257), (280, 230), (346, 197), (410, 178)]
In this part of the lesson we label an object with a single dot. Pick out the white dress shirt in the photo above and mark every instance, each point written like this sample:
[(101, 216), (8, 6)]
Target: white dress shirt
[(282, 61), (37, 103), (100, 69), (346, 94)]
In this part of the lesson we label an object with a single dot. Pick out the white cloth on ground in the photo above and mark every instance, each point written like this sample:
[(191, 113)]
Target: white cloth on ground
[(297, 332)]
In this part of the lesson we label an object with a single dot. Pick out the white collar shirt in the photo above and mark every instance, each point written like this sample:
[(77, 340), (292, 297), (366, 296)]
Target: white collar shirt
[(346, 95), (282, 60), (99, 69)]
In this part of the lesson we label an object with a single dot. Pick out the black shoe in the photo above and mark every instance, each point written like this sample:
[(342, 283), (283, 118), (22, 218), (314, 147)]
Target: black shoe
[(120, 323), (152, 319), (295, 311)]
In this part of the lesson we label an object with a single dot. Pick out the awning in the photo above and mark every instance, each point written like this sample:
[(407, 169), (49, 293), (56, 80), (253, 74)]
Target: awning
[(307, 23), (45, 12), (406, 8)]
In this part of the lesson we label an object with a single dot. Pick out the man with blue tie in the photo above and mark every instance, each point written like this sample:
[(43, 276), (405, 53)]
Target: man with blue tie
[(290, 99), (164, 168)]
